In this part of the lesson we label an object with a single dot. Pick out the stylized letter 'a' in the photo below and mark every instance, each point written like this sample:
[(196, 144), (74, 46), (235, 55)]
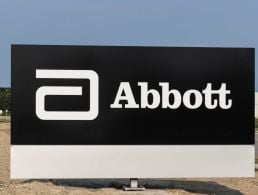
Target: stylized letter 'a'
[(43, 91)]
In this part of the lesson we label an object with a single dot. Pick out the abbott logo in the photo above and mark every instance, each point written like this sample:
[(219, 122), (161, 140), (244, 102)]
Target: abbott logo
[(43, 91), (149, 98)]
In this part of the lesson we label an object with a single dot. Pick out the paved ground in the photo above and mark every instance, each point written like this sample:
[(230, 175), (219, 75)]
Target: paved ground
[(113, 186)]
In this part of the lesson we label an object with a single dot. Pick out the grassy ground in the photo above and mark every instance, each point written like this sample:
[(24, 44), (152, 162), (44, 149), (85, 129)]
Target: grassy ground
[(5, 119), (256, 125)]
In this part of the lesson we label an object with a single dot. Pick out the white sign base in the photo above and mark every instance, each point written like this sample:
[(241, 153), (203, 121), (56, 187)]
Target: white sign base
[(117, 161)]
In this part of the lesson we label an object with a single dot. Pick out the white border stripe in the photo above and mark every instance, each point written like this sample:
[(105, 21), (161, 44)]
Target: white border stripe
[(131, 161)]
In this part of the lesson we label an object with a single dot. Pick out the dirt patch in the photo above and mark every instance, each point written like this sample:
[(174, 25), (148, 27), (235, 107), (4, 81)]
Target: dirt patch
[(4, 153), (113, 186)]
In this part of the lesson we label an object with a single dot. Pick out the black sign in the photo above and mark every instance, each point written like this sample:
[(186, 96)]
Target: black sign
[(109, 95)]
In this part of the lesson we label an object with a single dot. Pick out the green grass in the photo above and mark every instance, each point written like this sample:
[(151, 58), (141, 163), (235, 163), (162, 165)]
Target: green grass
[(2, 120), (256, 123)]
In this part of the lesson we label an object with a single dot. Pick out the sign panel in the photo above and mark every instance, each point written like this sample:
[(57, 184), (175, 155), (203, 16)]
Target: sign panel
[(154, 106)]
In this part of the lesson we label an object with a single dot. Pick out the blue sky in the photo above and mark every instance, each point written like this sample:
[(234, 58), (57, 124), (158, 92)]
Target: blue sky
[(210, 23)]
